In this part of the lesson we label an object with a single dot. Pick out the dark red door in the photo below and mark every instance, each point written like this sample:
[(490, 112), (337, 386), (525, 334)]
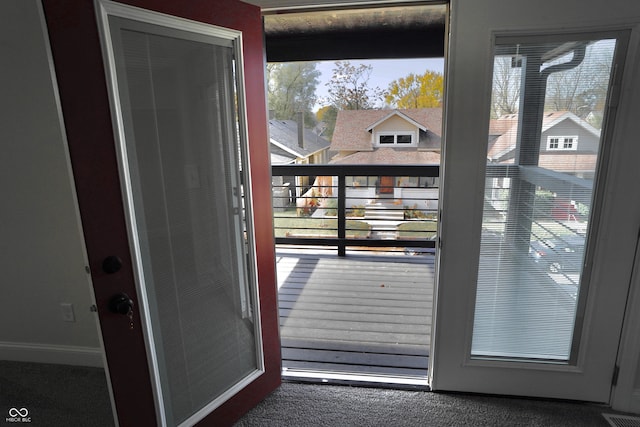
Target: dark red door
[(106, 207), (386, 185)]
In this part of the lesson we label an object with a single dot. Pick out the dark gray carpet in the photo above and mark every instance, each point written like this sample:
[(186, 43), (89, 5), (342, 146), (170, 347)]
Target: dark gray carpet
[(58, 395), (326, 405), (55, 395)]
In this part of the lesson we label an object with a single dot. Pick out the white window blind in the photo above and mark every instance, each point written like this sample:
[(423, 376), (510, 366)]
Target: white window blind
[(182, 146), (547, 94)]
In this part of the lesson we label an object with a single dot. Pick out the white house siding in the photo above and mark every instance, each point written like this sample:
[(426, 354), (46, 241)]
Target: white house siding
[(394, 124)]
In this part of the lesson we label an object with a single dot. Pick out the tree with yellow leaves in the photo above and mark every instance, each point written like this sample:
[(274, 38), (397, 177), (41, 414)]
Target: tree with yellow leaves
[(416, 91)]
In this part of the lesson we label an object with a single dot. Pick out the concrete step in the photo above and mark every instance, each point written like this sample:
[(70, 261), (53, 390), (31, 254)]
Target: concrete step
[(384, 207), (393, 215)]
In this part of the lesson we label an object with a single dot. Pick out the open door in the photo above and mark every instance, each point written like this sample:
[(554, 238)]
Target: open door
[(165, 114), (534, 199)]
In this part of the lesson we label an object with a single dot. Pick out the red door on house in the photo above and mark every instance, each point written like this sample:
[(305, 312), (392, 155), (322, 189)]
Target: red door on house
[(170, 159), (386, 185)]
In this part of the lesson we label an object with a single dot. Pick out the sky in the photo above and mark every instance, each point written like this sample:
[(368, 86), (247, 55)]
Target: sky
[(384, 71)]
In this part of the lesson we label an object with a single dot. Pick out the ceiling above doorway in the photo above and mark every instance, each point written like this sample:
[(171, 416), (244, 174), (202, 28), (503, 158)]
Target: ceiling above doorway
[(403, 31)]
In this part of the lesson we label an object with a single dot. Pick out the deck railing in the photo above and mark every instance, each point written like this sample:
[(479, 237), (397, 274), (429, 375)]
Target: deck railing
[(356, 206), (396, 207)]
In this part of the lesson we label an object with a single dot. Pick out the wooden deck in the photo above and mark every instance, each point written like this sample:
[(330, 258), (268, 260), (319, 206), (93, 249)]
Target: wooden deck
[(362, 314)]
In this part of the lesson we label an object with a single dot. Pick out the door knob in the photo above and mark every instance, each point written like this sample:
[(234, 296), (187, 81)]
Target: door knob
[(111, 264), (121, 303)]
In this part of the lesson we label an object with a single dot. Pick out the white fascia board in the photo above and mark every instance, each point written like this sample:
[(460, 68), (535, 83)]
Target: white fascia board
[(286, 148), (397, 113)]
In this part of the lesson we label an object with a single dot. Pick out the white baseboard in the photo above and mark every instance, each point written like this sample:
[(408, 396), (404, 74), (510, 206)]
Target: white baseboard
[(47, 353)]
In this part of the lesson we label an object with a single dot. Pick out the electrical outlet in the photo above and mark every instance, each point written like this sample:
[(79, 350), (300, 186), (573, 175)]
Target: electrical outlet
[(67, 312)]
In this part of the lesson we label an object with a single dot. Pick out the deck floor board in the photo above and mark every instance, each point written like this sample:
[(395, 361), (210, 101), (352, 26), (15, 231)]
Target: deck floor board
[(355, 314)]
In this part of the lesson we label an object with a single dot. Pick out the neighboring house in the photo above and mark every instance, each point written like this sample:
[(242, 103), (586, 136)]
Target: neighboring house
[(568, 144), (408, 136), (290, 143), (398, 137), (389, 137)]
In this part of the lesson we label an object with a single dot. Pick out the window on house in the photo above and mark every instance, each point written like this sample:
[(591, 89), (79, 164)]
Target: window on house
[(360, 181), (562, 143), (428, 182), (404, 139), (395, 138), (387, 139), (410, 181)]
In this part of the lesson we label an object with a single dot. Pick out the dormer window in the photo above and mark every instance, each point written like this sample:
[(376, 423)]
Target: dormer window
[(387, 139), (396, 138), (562, 143)]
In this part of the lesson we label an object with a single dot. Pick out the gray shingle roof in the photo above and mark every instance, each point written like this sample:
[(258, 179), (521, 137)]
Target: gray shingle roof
[(280, 156), (285, 132)]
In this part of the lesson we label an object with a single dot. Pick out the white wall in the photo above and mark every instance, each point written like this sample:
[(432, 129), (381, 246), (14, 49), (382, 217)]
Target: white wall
[(43, 256)]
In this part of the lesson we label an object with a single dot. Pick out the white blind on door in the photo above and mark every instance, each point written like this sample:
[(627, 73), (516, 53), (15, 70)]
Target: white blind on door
[(544, 149), (179, 103)]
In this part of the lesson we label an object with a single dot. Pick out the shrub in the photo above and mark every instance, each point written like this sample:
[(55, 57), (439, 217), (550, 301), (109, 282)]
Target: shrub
[(412, 212), (331, 206), (356, 210)]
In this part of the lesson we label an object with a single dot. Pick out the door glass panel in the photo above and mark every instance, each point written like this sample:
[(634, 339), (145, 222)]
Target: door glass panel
[(544, 148), (182, 156)]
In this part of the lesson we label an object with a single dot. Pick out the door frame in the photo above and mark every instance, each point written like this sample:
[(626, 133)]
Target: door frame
[(77, 56), (468, 96)]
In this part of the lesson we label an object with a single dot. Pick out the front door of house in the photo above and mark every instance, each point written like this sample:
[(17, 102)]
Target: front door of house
[(386, 185), (171, 165)]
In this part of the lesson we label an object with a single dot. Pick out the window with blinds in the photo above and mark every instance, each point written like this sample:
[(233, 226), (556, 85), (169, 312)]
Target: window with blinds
[(548, 94)]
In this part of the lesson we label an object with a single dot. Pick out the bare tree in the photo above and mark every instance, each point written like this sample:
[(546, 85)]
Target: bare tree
[(583, 89), (505, 97), (349, 87)]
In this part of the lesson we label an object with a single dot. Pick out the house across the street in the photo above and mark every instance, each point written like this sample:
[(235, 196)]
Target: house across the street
[(292, 143), (413, 136), (568, 144), (407, 136)]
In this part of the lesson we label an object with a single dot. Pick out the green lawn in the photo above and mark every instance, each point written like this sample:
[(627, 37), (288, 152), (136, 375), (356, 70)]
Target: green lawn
[(417, 230), (288, 224)]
